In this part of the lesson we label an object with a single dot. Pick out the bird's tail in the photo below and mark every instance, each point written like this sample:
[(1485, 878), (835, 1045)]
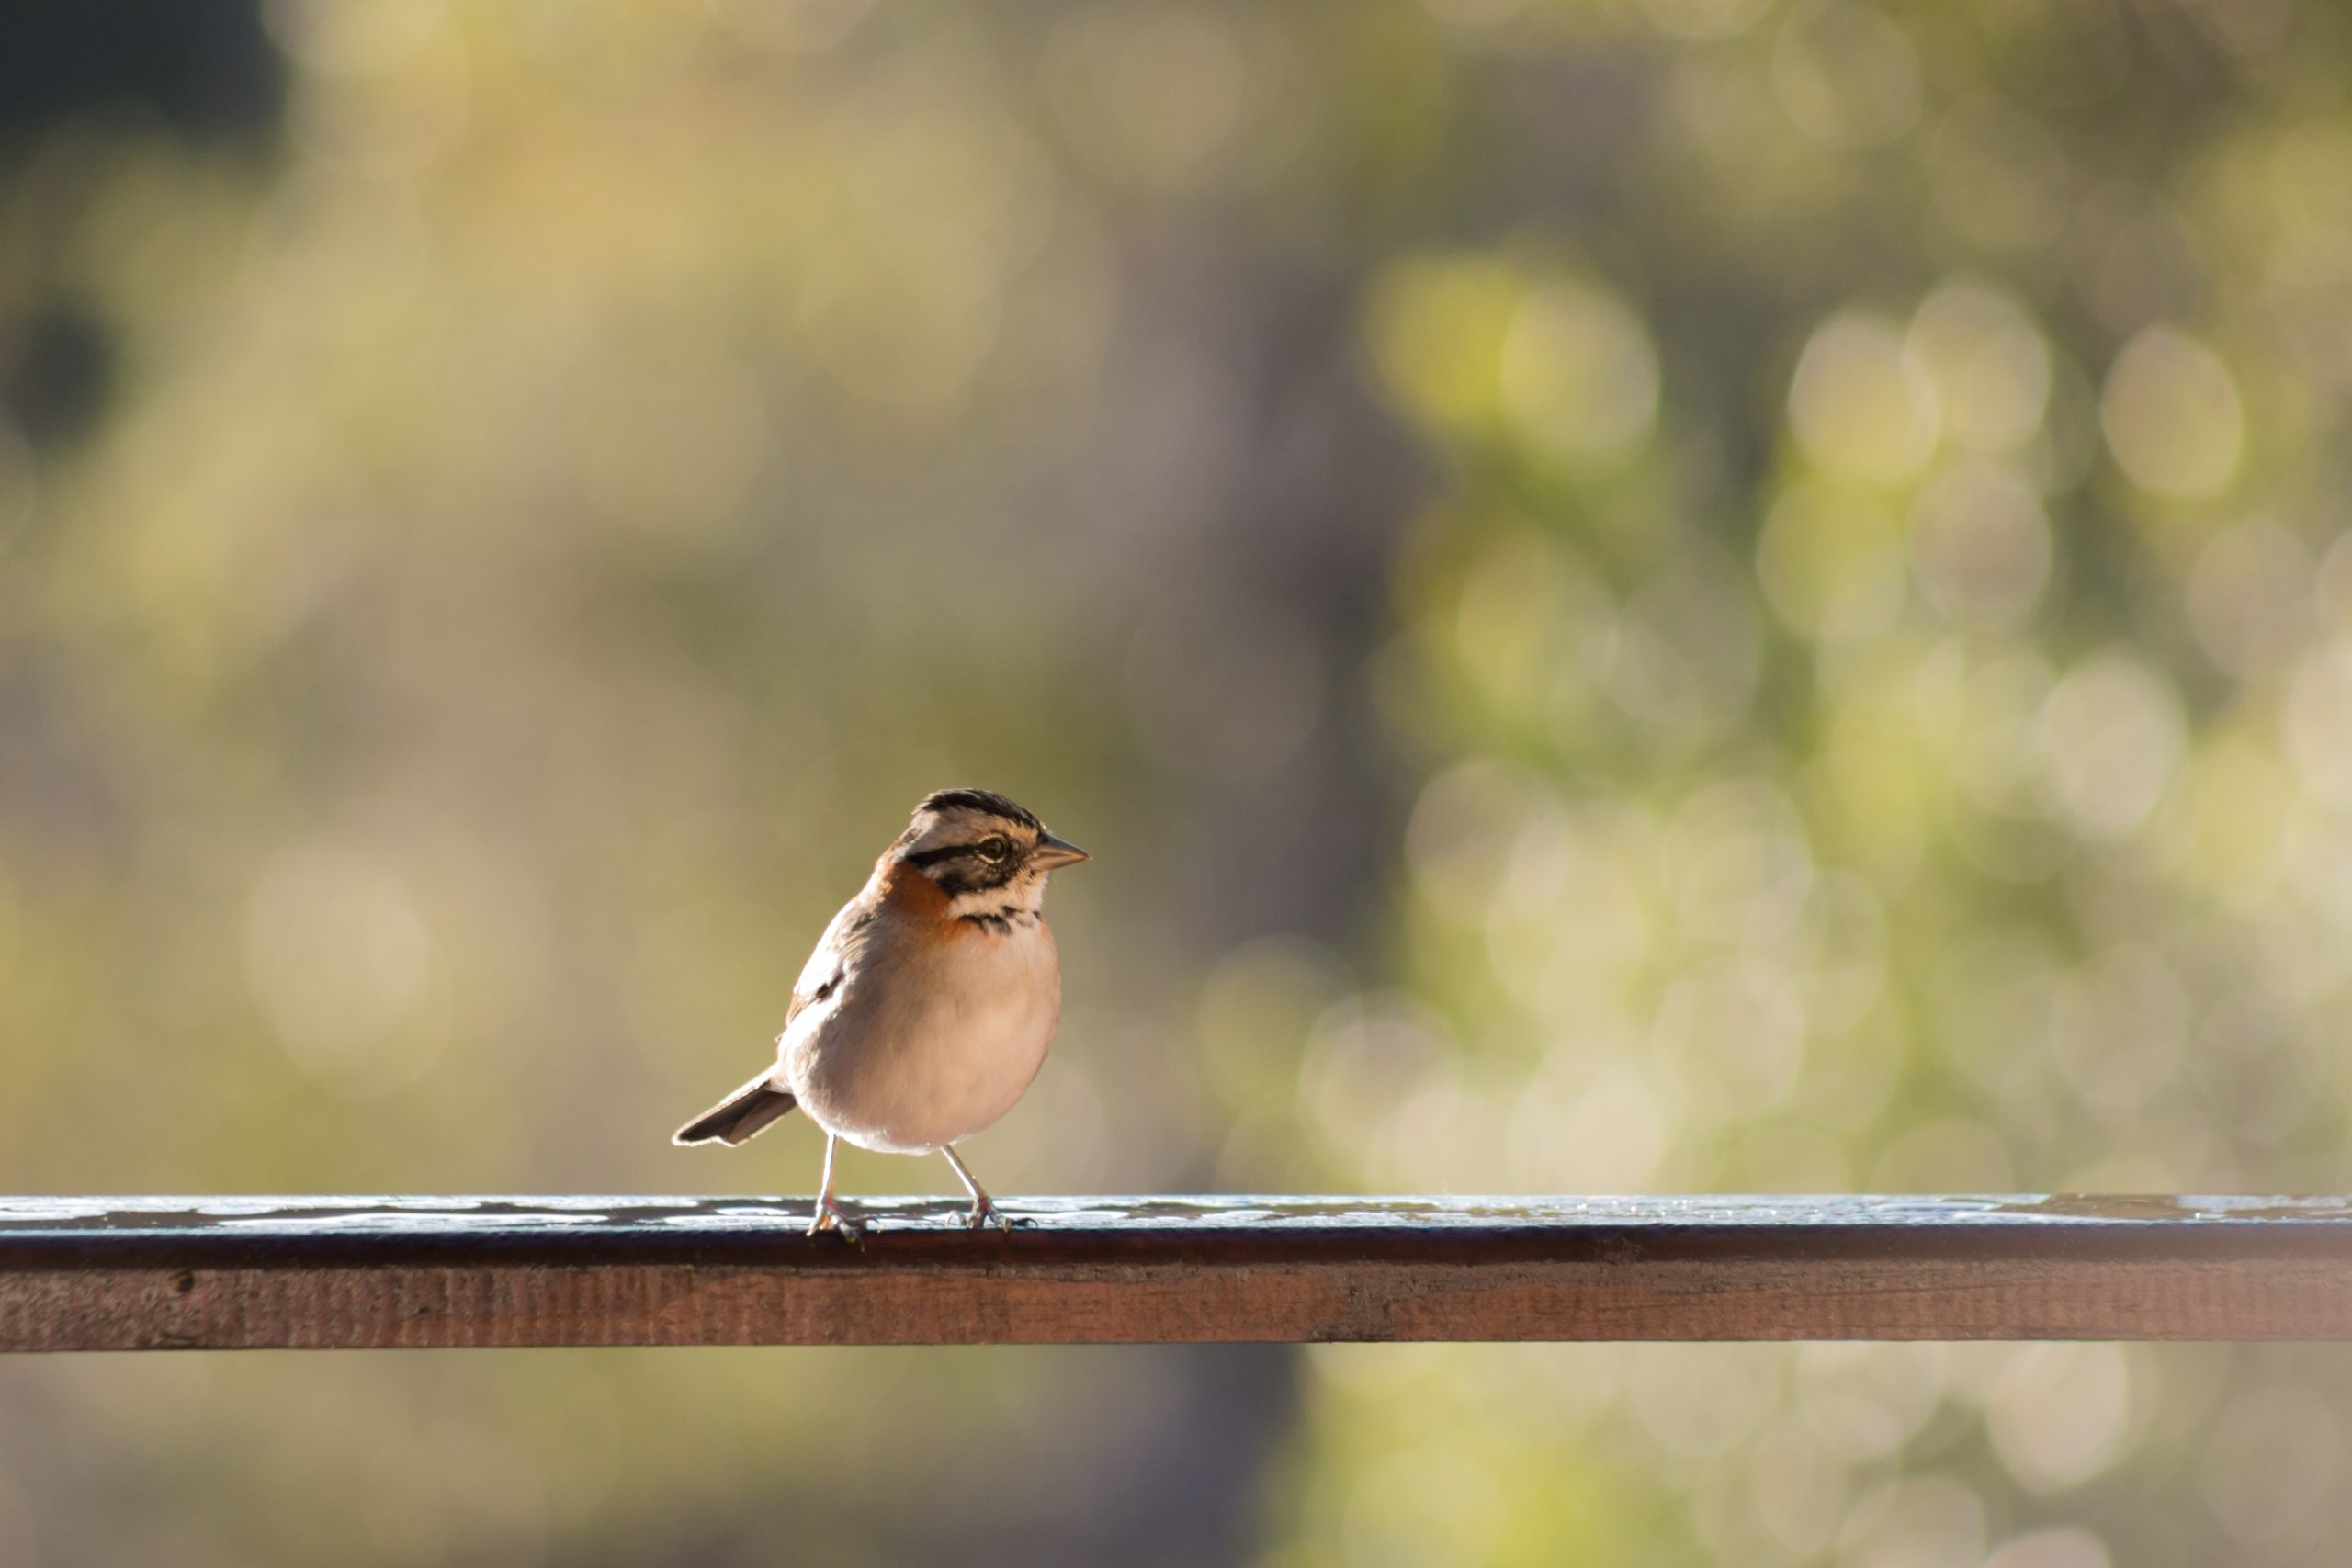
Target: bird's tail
[(738, 1117)]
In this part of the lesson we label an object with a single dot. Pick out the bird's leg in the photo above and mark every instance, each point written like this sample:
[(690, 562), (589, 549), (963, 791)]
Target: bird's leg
[(984, 1211), (830, 1215)]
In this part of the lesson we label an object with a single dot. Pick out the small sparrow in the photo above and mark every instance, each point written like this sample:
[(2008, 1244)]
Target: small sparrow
[(928, 1005)]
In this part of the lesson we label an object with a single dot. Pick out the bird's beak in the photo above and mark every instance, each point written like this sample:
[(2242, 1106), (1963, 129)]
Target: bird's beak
[(1052, 852)]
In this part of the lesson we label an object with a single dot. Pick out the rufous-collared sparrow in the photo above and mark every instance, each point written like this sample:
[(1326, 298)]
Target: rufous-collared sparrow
[(928, 1005)]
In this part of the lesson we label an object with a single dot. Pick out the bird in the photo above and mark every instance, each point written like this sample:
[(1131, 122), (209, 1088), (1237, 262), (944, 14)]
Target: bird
[(929, 1005)]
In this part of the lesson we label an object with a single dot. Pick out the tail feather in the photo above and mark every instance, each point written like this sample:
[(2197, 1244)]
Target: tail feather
[(738, 1117)]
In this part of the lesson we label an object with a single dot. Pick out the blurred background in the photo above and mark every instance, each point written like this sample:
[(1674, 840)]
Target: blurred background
[(1665, 595)]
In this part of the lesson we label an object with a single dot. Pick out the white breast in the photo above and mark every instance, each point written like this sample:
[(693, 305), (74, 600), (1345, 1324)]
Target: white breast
[(928, 1042)]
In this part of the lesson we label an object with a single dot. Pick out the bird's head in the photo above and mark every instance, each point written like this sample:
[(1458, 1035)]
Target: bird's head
[(982, 850)]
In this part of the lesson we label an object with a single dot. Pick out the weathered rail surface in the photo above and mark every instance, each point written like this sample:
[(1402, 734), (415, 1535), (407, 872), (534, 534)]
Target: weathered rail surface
[(419, 1272)]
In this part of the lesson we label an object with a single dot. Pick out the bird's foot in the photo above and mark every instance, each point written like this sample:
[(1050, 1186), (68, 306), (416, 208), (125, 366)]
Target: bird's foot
[(832, 1216), (985, 1214)]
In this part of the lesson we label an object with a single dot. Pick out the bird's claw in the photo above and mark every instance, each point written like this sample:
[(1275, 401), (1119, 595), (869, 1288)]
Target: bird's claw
[(985, 1214), (832, 1216)]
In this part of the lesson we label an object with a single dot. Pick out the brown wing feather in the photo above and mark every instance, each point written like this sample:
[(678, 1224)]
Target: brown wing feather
[(749, 1109)]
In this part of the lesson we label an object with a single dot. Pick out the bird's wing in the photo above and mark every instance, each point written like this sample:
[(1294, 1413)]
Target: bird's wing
[(830, 966)]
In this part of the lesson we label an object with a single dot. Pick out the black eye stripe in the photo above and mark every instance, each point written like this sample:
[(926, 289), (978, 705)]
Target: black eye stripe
[(951, 851)]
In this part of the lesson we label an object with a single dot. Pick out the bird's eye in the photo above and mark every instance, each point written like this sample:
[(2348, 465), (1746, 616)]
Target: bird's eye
[(994, 849)]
